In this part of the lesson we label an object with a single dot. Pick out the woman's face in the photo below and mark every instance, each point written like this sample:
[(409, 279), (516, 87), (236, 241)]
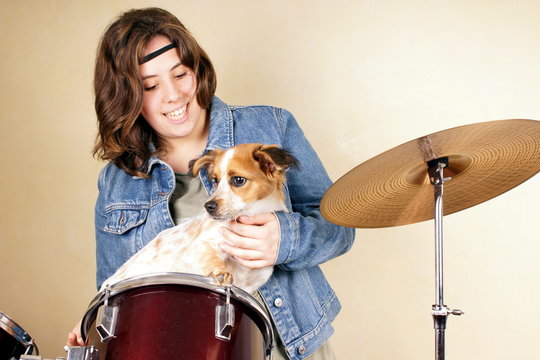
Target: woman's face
[(169, 102)]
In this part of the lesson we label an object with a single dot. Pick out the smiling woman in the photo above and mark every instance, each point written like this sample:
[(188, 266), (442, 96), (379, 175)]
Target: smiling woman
[(170, 104), (361, 77), (148, 76), (157, 111)]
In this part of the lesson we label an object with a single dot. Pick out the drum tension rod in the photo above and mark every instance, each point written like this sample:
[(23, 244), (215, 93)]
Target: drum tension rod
[(106, 318), (225, 317)]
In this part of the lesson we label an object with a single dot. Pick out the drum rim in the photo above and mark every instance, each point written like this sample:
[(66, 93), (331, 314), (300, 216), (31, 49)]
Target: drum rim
[(177, 278), (12, 328)]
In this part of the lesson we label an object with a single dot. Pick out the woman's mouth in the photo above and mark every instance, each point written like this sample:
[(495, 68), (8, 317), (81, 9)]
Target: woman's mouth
[(176, 114)]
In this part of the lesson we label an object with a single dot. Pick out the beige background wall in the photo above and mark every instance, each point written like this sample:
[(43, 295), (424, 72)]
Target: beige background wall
[(361, 77)]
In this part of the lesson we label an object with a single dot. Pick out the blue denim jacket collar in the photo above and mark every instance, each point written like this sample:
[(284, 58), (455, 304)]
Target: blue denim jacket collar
[(221, 133)]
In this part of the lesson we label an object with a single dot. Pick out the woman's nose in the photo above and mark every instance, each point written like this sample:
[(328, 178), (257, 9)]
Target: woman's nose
[(172, 94)]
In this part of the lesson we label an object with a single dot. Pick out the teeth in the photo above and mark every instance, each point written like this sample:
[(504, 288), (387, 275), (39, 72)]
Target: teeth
[(177, 113)]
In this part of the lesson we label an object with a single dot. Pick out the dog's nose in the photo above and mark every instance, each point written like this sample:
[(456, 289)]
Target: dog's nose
[(211, 206)]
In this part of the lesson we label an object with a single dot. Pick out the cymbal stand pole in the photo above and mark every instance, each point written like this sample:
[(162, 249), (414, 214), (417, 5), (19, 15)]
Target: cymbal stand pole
[(439, 311)]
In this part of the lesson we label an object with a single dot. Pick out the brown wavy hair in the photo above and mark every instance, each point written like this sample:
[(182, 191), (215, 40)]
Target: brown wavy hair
[(124, 137)]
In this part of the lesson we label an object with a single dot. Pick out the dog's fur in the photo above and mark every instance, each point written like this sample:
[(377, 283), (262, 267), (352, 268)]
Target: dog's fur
[(248, 179)]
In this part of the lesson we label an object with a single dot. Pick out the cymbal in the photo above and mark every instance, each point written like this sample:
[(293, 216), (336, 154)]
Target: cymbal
[(393, 188)]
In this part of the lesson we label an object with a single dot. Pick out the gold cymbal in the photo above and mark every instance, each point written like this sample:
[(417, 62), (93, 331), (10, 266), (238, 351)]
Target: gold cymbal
[(393, 188)]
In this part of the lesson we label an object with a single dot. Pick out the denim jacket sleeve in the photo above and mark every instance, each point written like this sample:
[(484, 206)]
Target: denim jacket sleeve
[(307, 239)]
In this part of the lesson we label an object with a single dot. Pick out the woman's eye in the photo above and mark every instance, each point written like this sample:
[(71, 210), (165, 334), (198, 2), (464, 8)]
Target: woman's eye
[(179, 76), (238, 181), (150, 88)]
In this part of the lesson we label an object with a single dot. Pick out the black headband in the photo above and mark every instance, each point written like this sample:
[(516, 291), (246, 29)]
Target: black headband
[(156, 53)]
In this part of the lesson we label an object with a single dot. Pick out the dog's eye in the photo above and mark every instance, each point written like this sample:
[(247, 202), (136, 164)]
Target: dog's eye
[(238, 181), (215, 181)]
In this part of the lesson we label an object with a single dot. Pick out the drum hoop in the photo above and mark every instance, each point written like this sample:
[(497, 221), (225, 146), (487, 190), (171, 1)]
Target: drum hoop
[(172, 278), (12, 328)]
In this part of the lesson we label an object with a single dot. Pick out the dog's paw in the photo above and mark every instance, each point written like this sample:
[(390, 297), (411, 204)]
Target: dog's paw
[(222, 277)]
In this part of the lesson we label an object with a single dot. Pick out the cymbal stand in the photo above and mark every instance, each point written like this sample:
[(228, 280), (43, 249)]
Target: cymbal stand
[(439, 311)]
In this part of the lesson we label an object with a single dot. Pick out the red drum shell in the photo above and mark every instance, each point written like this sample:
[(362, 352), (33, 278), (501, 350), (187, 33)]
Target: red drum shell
[(14, 341), (176, 320)]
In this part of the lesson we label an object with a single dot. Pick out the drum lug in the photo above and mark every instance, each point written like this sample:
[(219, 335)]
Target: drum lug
[(106, 319), (82, 353), (225, 318)]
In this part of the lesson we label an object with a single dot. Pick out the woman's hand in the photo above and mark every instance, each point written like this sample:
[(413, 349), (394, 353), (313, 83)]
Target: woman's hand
[(74, 337), (253, 240)]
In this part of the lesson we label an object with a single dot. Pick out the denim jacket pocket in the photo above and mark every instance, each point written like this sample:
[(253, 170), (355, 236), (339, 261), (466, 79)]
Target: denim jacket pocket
[(121, 220)]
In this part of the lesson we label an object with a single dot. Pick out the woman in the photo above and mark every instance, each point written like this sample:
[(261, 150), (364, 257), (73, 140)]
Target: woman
[(157, 111)]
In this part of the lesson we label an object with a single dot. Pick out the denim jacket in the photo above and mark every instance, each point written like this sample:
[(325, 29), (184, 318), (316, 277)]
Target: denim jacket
[(131, 211)]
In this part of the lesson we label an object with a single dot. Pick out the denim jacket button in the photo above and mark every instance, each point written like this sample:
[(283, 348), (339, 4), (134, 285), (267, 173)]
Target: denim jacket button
[(278, 302), (301, 350)]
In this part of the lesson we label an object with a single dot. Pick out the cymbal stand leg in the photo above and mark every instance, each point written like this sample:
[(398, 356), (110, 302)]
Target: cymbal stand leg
[(439, 311)]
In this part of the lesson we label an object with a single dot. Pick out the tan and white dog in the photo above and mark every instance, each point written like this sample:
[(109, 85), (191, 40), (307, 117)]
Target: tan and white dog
[(248, 180)]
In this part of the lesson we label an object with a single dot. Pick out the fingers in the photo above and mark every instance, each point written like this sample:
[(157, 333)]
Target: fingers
[(74, 340), (258, 219), (256, 226), (250, 258), (244, 247), (74, 337), (254, 264), (242, 235), (252, 240)]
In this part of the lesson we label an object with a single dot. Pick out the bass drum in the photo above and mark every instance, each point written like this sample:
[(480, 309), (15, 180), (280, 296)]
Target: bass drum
[(176, 316), (14, 341)]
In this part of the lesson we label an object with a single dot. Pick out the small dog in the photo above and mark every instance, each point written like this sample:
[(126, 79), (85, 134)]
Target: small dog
[(248, 179)]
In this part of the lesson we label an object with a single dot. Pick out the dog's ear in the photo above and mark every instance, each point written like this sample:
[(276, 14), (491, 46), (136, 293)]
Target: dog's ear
[(272, 158), (203, 162)]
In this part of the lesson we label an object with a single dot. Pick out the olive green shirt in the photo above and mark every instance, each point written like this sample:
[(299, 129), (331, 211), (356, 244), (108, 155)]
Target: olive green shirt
[(188, 198)]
